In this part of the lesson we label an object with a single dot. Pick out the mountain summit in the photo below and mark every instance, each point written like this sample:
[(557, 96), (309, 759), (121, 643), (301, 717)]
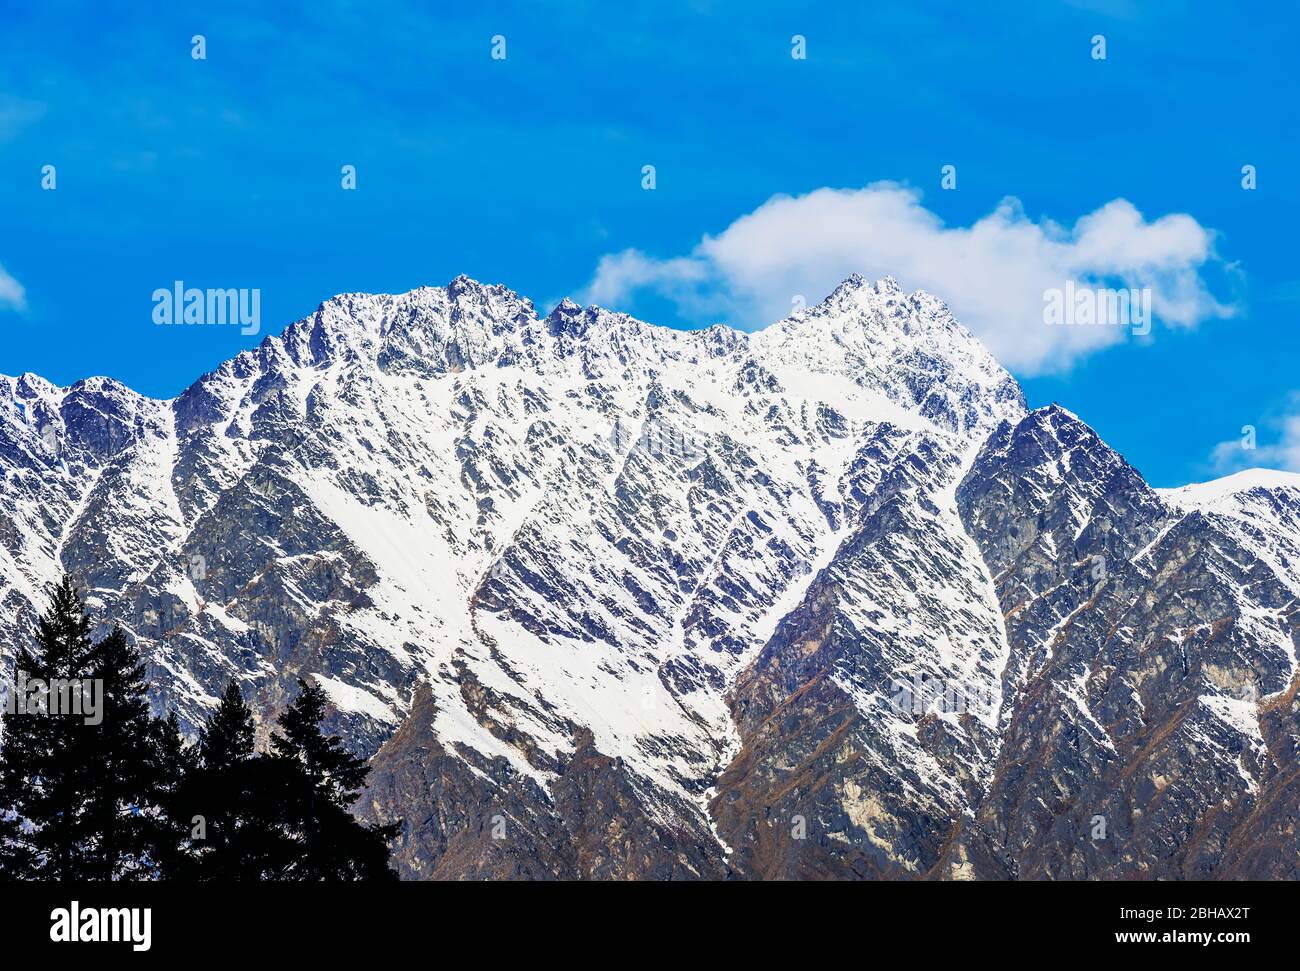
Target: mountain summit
[(821, 600)]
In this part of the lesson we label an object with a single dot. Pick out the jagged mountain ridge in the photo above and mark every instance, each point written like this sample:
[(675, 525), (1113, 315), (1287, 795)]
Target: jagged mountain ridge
[(600, 590)]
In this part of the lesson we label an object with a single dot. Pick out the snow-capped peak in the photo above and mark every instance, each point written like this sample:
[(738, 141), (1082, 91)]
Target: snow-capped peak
[(908, 344), (604, 553), (1202, 495)]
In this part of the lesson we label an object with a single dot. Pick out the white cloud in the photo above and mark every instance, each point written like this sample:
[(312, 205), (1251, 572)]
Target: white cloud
[(11, 291), (993, 273), (1234, 455)]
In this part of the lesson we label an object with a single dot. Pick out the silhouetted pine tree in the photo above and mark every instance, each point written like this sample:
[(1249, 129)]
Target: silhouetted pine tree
[(135, 753), (42, 757), (227, 739), (324, 780), (281, 816), (335, 773), (82, 800), (170, 828), (234, 803), (125, 798)]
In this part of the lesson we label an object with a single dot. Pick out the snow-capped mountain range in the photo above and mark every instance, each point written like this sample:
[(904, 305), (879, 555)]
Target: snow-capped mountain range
[(606, 599)]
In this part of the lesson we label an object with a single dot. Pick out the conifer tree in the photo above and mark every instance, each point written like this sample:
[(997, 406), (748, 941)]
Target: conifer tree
[(227, 739), (335, 773), (284, 815), (333, 844), (170, 828), (81, 790), (132, 749), (115, 793), (235, 802), (43, 756)]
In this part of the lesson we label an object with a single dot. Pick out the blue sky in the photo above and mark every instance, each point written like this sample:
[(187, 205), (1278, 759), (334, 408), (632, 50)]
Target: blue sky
[(225, 172)]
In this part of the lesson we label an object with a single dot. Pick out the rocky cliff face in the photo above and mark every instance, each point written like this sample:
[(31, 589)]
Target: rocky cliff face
[(608, 600), (1144, 636)]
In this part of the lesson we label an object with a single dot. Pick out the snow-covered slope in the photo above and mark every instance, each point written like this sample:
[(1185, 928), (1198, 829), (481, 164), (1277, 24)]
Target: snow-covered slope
[(582, 523), (1261, 507), (644, 594), (1153, 663)]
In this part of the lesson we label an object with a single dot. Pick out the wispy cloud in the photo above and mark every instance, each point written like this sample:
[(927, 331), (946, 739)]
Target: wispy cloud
[(993, 273), (12, 293), (1246, 452)]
